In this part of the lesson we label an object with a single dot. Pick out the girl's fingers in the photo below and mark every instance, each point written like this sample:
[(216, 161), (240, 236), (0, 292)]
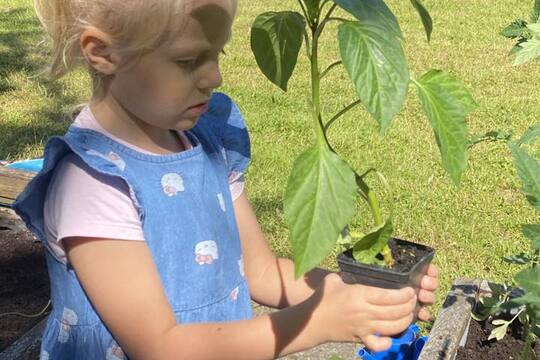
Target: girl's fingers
[(381, 297), (433, 271), (392, 327), (429, 283), (426, 297), (377, 343), (393, 312), (424, 314)]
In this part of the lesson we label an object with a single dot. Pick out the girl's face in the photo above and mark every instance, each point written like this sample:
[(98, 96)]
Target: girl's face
[(169, 88)]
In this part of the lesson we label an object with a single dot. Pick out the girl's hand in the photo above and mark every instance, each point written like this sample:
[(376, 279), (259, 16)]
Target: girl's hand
[(345, 312), (426, 295)]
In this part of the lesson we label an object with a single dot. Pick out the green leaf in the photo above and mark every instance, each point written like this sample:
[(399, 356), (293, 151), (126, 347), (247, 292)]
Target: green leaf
[(366, 249), (530, 50), (485, 307), (319, 202), (446, 102), (312, 7), (500, 331), (535, 14), (528, 170), (424, 15), (490, 136), (514, 50), (515, 29), (530, 135), (529, 299), (532, 232), (373, 14), (531, 302), (519, 259), (276, 40), (529, 280), (498, 289), (534, 30), (377, 67)]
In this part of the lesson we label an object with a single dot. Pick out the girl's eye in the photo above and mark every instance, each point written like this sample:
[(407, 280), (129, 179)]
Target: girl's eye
[(187, 62)]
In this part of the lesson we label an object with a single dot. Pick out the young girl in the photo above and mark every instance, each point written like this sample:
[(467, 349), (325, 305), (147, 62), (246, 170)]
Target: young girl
[(153, 249)]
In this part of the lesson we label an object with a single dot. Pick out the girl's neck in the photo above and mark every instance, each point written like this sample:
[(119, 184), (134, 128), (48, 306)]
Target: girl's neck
[(117, 121)]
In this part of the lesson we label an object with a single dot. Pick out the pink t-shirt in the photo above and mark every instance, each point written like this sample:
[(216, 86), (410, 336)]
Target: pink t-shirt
[(82, 202)]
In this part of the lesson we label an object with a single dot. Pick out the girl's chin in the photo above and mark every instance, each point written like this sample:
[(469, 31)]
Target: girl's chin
[(186, 123)]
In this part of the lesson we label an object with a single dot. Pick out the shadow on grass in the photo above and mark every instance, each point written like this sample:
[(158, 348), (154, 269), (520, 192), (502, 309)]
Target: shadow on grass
[(24, 54), (16, 46), (265, 207)]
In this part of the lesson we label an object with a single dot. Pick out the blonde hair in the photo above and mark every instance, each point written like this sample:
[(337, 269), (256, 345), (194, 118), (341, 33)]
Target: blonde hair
[(134, 26)]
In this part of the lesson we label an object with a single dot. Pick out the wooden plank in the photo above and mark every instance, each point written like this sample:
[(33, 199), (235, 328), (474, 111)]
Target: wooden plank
[(12, 183), (451, 326)]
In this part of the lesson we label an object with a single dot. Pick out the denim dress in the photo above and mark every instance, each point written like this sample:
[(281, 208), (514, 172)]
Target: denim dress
[(188, 221)]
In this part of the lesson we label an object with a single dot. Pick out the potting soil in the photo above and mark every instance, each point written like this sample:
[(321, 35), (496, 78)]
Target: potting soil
[(478, 347), (24, 284)]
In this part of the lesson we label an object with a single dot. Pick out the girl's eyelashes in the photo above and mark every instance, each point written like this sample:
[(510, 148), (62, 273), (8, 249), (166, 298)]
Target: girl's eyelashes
[(186, 62), (193, 62)]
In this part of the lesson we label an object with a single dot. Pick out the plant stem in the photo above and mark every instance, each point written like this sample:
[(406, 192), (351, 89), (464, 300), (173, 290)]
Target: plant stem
[(333, 65), (316, 87), (337, 19), (304, 11), (341, 113), (323, 23), (372, 200), (373, 203)]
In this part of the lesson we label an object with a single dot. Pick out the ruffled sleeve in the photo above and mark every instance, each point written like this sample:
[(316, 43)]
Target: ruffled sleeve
[(228, 124)]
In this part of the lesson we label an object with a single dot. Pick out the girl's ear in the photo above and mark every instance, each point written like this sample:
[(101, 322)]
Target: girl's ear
[(96, 47)]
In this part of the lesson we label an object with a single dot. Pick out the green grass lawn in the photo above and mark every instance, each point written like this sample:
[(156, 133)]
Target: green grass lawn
[(471, 227)]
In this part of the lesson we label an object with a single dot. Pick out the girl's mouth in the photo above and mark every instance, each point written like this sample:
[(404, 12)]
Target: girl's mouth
[(199, 108)]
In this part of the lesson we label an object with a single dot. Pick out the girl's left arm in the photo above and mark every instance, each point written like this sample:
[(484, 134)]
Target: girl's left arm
[(271, 279)]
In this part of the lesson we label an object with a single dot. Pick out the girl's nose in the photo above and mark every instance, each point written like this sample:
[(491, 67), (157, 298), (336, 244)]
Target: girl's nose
[(210, 76)]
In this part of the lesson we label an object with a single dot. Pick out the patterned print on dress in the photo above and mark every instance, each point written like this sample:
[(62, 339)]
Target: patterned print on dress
[(224, 154), (44, 355), (221, 202), (206, 252), (172, 184), (111, 157), (234, 294), (69, 319), (241, 265), (115, 352), (234, 176)]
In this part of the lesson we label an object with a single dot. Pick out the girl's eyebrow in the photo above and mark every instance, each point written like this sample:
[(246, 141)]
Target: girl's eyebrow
[(195, 47)]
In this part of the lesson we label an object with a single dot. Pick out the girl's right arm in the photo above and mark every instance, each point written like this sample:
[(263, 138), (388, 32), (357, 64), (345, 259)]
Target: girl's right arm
[(123, 284)]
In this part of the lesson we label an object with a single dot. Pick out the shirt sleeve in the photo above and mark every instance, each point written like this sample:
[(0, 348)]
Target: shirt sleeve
[(230, 126), (82, 202)]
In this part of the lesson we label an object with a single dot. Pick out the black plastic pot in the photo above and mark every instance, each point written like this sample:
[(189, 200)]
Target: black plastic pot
[(353, 272)]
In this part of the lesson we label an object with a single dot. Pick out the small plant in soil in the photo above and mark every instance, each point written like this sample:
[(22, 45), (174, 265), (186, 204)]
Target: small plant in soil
[(520, 302), (527, 34), (323, 190)]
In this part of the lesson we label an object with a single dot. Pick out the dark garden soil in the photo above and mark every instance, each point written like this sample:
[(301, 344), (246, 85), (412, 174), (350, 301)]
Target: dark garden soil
[(24, 284), (405, 255), (479, 348)]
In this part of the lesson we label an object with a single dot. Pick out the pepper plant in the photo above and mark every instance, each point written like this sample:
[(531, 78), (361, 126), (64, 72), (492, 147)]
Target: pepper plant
[(521, 301), (322, 190), (527, 34)]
